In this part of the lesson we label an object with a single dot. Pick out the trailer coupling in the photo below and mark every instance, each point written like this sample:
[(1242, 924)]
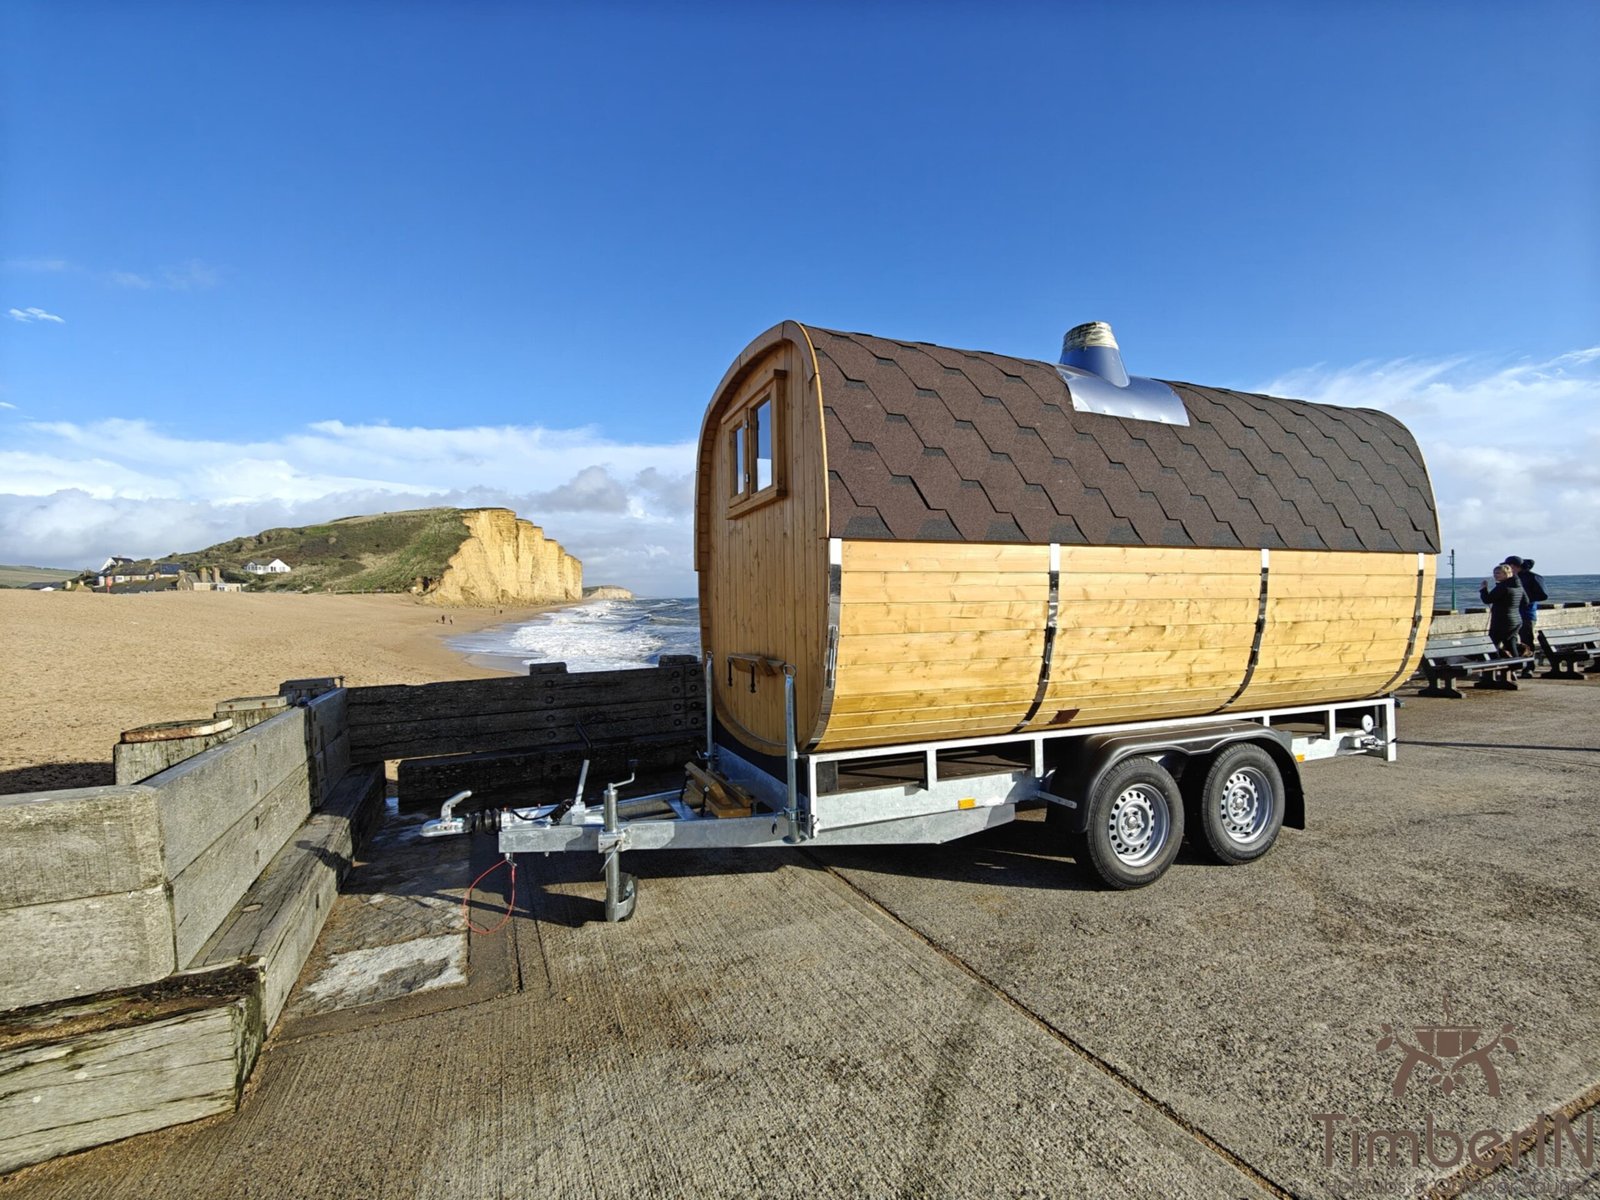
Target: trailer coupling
[(611, 838)]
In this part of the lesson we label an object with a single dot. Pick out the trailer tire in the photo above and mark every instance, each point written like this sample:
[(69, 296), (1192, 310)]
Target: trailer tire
[(1134, 824), (1239, 809)]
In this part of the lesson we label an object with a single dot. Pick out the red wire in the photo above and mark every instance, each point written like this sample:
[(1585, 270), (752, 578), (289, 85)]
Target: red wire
[(511, 905)]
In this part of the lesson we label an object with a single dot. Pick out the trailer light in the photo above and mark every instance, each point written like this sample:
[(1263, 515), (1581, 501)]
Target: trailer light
[(967, 802)]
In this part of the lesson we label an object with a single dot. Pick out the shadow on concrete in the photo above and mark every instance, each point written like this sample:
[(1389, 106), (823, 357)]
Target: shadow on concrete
[(1023, 854), (547, 878), (52, 776)]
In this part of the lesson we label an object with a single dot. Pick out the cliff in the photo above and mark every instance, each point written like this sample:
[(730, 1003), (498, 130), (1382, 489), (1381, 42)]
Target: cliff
[(447, 555), (505, 560)]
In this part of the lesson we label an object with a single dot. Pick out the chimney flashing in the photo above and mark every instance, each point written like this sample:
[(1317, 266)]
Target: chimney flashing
[(1091, 367)]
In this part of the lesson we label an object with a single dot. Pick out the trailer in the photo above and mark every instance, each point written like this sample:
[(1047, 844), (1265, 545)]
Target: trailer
[(1120, 797), (938, 584)]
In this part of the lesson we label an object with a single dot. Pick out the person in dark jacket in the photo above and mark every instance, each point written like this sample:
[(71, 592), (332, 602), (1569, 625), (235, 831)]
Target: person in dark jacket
[(1505, 610), (1532, 592)]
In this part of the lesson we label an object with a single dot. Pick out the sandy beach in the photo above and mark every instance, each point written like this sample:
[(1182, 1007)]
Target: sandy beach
[(76, 669)]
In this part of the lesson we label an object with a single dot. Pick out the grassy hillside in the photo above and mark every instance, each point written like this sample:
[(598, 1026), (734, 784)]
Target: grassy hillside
[(381, 553), (23, 576)]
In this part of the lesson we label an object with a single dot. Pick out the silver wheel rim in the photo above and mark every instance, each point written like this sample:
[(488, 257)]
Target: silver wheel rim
[(1139, 825), (1245, 806)]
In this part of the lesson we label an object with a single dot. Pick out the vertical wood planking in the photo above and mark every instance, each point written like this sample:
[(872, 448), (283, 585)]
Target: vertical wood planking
[(763, 571)]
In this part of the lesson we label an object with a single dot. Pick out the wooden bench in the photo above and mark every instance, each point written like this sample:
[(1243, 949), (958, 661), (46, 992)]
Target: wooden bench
[(1446, 659), (1567, 650)]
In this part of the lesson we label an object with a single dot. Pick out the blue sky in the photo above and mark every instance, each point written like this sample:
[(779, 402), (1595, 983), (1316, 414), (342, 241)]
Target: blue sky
[(273, 263)]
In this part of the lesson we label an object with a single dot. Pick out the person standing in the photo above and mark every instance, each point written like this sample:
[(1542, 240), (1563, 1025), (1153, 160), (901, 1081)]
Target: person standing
[(1532, 593), (1504, 602), (1505, 610)]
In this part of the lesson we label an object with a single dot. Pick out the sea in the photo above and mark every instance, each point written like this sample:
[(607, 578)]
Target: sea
[(1563, 589), (605, 635), (597, 635)]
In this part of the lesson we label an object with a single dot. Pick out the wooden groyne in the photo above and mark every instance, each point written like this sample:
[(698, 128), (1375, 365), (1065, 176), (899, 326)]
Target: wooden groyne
[(151, 931)]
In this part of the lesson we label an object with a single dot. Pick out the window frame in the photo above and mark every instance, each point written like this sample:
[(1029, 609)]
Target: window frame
[(740, 428)]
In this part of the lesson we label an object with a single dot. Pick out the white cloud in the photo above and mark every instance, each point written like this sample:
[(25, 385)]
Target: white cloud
[(81, 491), (190, 276), (6, 404), (29, 315), (1513, 449), (193, 275), (1514, 452)]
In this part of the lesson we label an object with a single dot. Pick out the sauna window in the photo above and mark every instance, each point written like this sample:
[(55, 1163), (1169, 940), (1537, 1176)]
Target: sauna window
[(754, 443), (761, 436), (736, 461)]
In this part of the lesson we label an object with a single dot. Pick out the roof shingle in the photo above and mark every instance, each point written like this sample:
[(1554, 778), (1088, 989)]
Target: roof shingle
[(927, 442)]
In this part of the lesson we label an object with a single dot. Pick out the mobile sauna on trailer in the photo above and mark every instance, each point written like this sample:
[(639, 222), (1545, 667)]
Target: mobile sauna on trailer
[(938, 583)]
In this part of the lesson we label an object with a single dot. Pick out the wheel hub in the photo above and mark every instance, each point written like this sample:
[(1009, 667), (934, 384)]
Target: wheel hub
[(1246, 805), (1138, 826)]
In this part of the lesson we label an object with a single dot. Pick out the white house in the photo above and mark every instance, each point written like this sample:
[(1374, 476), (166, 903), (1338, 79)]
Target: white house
[(276, 567)]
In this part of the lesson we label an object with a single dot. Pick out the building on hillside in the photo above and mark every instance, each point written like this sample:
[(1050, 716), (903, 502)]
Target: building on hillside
[(113, 564), (276, 567), (147, 583), (43, 587), (169, 570)]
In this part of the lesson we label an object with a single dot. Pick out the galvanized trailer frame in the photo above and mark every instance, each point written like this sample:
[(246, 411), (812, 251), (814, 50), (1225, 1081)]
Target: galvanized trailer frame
[(942, 803)]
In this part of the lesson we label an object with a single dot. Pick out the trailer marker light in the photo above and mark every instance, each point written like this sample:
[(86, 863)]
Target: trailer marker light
[(967, 802)]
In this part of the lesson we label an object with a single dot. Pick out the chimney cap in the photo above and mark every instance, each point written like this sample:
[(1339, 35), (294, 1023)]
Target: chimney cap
[(1090, 333)]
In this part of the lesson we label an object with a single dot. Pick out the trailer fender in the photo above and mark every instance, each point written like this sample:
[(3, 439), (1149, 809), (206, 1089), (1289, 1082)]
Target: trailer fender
[(1182, 750)]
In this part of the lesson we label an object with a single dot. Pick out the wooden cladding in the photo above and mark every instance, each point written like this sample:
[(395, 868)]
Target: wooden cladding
[(762, 553), (940, 641)]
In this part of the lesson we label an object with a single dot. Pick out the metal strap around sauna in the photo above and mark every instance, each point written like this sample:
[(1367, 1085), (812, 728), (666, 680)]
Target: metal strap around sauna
[(1261, 629), (830, 665), (1051, 615), (1416, 627)]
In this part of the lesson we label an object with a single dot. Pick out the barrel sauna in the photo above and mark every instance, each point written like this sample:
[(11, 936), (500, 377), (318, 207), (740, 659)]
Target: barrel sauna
[(952, 544)]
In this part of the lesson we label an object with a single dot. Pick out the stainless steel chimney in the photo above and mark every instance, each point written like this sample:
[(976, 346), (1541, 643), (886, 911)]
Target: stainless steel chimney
[(1091, 367)]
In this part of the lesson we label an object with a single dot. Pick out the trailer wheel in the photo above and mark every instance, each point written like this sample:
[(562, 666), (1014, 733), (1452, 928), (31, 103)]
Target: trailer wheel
[(1134, 824), (1240, 806)]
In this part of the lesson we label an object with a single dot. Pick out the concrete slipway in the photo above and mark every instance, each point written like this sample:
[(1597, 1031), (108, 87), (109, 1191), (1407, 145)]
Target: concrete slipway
[(966, 1020)]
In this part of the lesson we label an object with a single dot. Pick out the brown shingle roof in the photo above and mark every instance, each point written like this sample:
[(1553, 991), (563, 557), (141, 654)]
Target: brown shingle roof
[(927, 443)]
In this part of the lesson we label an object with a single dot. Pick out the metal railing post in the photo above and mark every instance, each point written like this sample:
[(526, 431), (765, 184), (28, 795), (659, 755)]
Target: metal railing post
[(710, 740), (622, 892), (791, 755)]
